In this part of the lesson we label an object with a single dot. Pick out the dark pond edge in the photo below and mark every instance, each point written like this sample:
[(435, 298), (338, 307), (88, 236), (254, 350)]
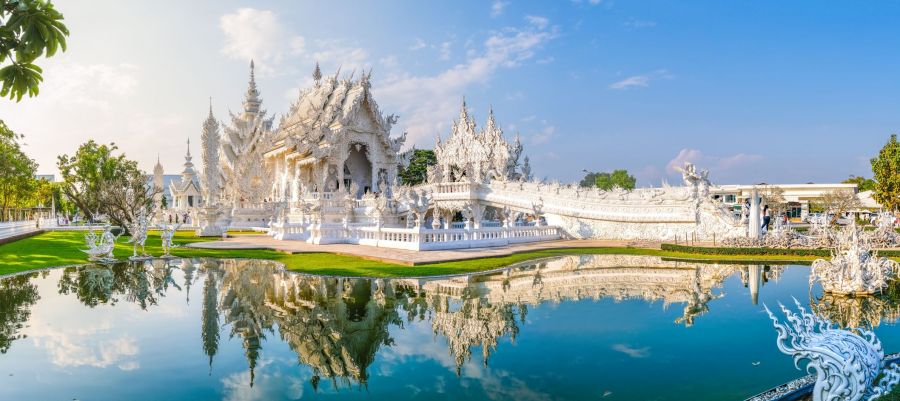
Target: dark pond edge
[(800, 388)]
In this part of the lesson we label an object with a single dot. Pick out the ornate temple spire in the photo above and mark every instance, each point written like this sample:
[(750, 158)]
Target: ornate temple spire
[(188, 174), (317, 74), (210, 142), (463, 111), (251, 99), (491, 124)]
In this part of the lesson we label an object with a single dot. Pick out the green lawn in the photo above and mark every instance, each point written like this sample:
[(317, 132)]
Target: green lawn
[(64, 248)]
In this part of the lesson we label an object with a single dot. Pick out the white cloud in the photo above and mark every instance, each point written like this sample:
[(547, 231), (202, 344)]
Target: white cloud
[(713, 163), (546, 133), (87, 345), (427, 103), (258, 35), (637, 353), (339, 53), (497, 8), (445, 50), (640, 81), (418, 44), (538, 21)]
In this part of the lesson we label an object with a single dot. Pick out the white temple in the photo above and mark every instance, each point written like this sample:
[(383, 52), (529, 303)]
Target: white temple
[(328, 173)]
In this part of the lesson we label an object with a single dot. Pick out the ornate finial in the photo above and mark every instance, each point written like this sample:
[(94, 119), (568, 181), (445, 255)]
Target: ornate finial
[(317, 73), (210, 106), (188, 149), (463, 112), (251, 99)]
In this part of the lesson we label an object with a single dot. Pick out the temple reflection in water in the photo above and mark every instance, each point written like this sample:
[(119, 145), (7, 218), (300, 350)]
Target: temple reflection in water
[(337, 325)]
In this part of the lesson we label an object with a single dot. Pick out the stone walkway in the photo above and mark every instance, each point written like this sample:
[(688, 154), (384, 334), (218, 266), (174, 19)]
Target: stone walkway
[(405, 257)]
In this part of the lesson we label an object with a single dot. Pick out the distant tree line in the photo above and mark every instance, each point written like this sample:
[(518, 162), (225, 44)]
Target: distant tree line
[(608, 181)]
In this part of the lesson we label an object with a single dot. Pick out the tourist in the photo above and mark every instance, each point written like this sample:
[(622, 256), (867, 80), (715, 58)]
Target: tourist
[(767, 217)]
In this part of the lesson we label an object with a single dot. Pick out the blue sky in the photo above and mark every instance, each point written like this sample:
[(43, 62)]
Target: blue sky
[(761, 91)]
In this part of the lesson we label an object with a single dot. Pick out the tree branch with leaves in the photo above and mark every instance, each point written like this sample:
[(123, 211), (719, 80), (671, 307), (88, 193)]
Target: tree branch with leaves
[(28, 29)]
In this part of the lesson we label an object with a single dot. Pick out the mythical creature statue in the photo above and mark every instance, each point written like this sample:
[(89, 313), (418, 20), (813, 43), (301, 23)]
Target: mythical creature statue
[(537, 209), (417, 202), (846, 363), (885, 234), (101, 250), (168, 232), (854, 268), (138, 229)]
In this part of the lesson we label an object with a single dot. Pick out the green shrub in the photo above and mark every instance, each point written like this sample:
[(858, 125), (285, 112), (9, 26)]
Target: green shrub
[(759, 251)]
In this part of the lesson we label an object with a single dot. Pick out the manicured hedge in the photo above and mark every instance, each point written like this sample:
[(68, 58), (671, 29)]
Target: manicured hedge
[(759, 251)]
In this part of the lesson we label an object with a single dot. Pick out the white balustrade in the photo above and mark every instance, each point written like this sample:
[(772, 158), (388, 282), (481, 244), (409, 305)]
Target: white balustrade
[(430, 239), (13, 228)]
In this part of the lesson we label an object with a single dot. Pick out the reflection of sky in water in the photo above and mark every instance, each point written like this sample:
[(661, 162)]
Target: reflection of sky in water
[(568, 329)]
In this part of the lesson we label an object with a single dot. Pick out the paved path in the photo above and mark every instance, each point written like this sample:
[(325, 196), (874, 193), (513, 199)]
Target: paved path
[(405, 257)]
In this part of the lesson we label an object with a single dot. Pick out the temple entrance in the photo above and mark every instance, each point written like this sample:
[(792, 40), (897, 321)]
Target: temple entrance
[(358, 169)]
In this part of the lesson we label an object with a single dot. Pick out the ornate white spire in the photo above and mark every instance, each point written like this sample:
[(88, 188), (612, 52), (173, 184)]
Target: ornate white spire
[(317, 73), (187, 157), (251, 99), (210, 143)]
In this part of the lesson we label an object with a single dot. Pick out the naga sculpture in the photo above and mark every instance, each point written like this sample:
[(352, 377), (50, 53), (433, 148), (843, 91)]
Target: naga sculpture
[(854, 268), (846, 363), (101, 249)]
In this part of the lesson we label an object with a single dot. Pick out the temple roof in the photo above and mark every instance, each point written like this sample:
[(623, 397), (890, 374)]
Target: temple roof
[(331, 103)]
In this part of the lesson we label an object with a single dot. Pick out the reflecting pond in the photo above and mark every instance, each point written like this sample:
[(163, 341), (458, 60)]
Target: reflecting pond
[(606, 327)]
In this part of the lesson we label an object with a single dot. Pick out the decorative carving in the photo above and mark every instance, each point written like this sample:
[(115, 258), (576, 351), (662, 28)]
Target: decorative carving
[(101, 249), (846, 363), (854, 268), (138, 229), (166, 236)]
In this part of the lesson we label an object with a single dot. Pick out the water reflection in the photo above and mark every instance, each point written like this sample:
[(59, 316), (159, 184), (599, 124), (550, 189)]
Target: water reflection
[(17, 295), (336, 326)]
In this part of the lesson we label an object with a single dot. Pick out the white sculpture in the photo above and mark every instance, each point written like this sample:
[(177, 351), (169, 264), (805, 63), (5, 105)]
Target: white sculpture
[(166, 236), (483, 155), (101, 250), (853, 268), (138, 229), (846, 363)]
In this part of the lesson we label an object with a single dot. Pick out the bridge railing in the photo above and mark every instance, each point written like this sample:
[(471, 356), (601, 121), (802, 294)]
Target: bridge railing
[(453, 238)]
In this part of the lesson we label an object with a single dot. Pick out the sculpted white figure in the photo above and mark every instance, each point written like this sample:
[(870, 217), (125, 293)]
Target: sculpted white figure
[(138, 229), (846, 363), (167, 234), (101, 250), (854, 268)]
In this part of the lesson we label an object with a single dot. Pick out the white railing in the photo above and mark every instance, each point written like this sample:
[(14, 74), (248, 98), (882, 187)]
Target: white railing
[(13, 228), (429, 239)]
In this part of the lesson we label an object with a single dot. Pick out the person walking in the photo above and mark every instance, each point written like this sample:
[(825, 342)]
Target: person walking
[(767, 217)]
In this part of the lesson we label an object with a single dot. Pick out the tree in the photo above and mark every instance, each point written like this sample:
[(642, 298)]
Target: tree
[(30, 29), (618, 179), (99, 182), (838, 201), (862, 183), (886, 170), (416, 172), (589, 180), (774, 197), (16, 172)]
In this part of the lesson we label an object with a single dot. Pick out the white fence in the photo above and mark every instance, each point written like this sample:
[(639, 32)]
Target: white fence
[(13, 228), (428, 239)]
